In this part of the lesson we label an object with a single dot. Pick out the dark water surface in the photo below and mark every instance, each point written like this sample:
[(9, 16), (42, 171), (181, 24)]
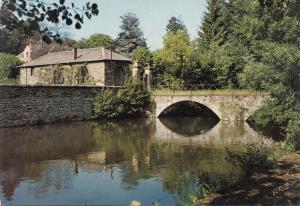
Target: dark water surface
[(152, 161)]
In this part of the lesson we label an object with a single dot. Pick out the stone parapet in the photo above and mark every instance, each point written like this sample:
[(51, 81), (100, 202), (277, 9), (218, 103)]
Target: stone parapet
[(27, 105)]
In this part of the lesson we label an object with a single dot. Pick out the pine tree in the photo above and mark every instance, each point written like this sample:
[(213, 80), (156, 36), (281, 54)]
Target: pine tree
[(214, 23), (175, 24), (131, 36)]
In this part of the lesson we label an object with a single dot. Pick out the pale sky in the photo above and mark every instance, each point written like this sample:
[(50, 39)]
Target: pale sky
[(153, 15)]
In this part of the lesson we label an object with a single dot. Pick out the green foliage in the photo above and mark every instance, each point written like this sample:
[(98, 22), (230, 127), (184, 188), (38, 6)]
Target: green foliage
[(282, 62), (98, 40), (254, 157), (175, 24), (10, 41), (255, 45), (225, 62), (213, 28), (131, 36), (135, 100), (143, 56), (174, 62), (8, 63), (292, 141), (131, 101), (104, 106)]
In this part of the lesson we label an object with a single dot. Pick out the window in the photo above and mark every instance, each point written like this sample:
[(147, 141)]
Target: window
[(58, 76), (31, 71), (119, 76), (82, 75)]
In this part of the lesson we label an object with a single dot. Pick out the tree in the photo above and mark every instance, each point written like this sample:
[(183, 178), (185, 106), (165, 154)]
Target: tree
[(131, 36), (175, 24), (10, 41), (8, 65), (269, 30), (220, 56), (98, 40), (36, 12), (173, 62), (143, 56), (213, 27)]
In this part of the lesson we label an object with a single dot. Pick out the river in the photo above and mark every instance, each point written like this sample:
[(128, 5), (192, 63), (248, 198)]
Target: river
[(154, 161)]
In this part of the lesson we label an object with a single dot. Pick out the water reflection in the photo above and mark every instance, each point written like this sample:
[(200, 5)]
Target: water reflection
[(189, 126), (141, 159), (222, 133)]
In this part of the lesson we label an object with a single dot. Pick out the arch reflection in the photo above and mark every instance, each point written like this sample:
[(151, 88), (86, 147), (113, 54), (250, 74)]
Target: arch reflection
[(189, 126)]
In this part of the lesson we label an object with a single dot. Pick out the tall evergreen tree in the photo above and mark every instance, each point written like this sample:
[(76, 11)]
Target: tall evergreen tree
[(131, 36), (175, 24), (214, 23), (214, 55)]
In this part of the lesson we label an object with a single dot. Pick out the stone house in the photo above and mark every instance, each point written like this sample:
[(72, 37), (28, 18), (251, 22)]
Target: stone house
[(94, 66)]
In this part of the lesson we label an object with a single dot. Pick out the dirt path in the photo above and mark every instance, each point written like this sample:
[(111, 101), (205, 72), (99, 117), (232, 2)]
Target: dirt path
[(281, 186)]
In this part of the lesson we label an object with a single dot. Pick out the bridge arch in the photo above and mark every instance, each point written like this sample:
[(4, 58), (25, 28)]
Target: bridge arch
[(237, 107), (162, 106)]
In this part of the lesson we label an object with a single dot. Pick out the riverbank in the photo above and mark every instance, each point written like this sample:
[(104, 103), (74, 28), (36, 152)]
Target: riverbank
[(280, 186)]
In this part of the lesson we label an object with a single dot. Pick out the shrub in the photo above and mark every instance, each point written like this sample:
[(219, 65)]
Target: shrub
[(292, 141), (253, 158), (8, 63), (131, 101), (104, 105)]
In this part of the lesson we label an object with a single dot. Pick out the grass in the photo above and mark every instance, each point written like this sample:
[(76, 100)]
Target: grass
[(228, 92)]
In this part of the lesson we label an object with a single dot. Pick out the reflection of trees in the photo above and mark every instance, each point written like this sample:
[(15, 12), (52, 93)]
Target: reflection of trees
[(56, 174), (127, 145), (189, 126), (127, 141), (190, 163), (44, 142), (21, 147), (186, 167), (179, 165)]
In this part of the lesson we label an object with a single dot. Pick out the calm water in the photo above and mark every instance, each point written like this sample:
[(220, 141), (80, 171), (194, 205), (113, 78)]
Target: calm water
[(152, 161)]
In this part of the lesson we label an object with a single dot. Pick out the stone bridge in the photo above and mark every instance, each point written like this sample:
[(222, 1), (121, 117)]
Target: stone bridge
[(234, 106)]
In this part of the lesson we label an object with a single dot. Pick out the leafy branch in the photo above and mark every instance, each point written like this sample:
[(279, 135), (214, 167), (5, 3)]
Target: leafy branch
[(36, 12)]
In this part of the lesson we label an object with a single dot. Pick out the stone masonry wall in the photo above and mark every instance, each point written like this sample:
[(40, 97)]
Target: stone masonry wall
[(25, 105)]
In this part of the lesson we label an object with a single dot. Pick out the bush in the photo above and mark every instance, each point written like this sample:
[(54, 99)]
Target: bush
[(8, 63), (131, 101), (292, 141), (104, 105), (253, 158)]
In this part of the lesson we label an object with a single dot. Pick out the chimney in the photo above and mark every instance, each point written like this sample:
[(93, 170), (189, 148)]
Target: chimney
[(75, 53), (103, 52)]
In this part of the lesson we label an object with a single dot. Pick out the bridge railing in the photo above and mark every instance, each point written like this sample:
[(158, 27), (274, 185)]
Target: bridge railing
[(202, 89), (195, 87)]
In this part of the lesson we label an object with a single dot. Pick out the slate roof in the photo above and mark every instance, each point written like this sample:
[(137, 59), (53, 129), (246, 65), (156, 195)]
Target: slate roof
[(83, 55), (40, 48)]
